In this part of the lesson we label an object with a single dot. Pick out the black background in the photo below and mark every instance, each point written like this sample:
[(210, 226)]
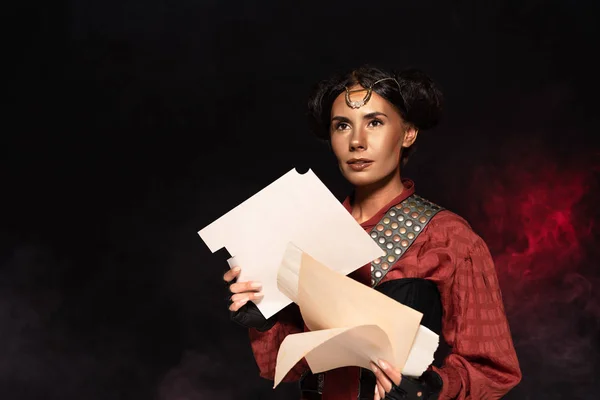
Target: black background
[(130, 125)]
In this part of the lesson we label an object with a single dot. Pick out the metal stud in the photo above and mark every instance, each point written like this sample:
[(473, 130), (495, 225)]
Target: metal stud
[(399, 228)]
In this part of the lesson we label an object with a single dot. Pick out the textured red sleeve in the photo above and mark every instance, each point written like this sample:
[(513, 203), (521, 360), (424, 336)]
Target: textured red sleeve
[(483, 363), (265, 345)]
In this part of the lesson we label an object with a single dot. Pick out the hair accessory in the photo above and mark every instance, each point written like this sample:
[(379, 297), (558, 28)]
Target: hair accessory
[(365, 100)]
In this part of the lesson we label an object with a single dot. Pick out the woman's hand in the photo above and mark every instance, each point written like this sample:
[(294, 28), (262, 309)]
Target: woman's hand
[(242, 310), (385, 375), (242, 292)]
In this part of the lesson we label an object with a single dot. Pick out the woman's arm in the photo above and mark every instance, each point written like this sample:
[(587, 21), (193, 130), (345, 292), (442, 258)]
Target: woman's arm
[(265, 345), (266, 335), (483, 363)]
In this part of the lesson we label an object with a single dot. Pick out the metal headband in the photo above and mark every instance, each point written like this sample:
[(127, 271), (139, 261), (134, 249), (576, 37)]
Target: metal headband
[(365, 100)]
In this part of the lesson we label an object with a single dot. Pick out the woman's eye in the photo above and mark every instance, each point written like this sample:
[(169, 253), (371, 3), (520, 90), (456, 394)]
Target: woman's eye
[(375, 122), (341, 126)]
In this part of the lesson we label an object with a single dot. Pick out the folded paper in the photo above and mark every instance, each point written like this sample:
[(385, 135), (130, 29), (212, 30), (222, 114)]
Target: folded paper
[(351, 324)]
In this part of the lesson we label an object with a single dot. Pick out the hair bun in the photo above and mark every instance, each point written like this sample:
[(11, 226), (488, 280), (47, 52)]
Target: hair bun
[(423, 99)]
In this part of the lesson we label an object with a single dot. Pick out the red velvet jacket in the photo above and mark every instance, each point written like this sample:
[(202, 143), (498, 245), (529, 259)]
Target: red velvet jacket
[(482, 363)]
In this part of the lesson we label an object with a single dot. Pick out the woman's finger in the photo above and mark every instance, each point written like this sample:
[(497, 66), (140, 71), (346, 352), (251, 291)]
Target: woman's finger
[(236, 305), (381, 378), (247, 296), (392, 373), (242, 287), (376, 395), (231, 274), (380, 391)]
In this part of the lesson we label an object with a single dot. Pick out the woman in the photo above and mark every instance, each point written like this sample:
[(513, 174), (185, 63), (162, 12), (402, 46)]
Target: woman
[(443, 269)]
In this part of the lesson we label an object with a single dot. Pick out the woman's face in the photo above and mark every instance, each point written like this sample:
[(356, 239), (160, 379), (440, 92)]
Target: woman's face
[(367, 141)]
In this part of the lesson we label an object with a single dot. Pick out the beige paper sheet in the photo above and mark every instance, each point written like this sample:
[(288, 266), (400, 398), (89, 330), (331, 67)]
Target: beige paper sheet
[(295, 208), (333, 348), (350, 323)]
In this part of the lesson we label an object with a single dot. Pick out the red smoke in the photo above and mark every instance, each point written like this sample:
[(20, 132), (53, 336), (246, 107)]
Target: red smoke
[(534, 223), (537, 217)]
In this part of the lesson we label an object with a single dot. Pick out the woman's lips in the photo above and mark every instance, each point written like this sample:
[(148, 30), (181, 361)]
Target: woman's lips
[(359, 165)]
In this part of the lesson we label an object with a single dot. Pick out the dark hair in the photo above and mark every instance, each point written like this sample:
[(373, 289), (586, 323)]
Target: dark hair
[(416, 97)]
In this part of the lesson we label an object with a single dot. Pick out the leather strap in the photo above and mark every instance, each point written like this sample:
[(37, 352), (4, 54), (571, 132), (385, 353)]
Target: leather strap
[(397, 231)]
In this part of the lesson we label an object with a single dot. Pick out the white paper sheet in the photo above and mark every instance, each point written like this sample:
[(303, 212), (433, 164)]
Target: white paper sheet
[(295, 208)]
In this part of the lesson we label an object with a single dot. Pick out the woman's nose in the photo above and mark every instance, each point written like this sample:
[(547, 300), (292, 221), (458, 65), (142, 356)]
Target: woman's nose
[(358, 140)]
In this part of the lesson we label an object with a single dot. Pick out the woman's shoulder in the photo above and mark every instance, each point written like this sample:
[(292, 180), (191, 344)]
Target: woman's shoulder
[(450, 220), (447, 225)]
